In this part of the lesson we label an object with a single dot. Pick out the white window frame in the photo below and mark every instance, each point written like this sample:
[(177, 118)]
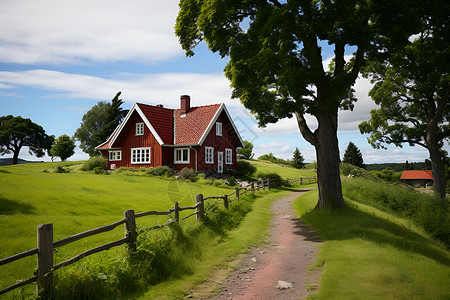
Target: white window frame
[(218, 128), (228, 156), (140, 128), (180, 160), (139, 155), (115, 155), (209, 155)]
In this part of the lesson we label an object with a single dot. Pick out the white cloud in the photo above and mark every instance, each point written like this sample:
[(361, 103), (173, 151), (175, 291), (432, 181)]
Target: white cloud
[(164, 88), (63, 31)]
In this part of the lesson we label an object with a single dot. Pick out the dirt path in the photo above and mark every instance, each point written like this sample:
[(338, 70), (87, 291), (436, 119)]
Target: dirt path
[(291, 248)]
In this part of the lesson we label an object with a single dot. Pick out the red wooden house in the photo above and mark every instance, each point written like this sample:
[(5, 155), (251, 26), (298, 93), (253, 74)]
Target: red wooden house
[(203, 138), (418, 178)]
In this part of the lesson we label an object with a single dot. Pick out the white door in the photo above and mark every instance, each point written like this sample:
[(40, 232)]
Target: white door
[(219, 162)]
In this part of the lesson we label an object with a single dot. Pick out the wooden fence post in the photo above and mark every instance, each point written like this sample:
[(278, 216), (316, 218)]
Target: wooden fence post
[(237, 194), (45, 259), (301, 180), (201, 208), (253, 186), (130, 226), (268, 183), (177, 212), (225, 201), (260, 183)]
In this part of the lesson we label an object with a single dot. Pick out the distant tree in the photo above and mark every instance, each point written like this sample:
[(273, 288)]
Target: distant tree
[(63, 147), (297, 160), (247, 150), (99, 123), (16, 132), (412, 89), (353, 156)]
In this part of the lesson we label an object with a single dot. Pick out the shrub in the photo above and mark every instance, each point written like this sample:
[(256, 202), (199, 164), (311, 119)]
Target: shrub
[(60, 169), (99, 170), (354, 171), (160, 171), (188, 174), (94, 162), (274, 178), (244, 168), (231, 181)]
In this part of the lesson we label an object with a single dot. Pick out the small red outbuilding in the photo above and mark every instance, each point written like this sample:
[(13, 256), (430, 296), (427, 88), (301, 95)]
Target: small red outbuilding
[(418, 178), (203, 138)]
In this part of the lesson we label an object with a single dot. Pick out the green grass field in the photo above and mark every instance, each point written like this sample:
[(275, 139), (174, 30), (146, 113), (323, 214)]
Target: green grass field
[(284, 171), (75, 202)]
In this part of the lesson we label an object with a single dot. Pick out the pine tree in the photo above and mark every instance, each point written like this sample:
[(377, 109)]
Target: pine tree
[(353, 156), (297, 160)]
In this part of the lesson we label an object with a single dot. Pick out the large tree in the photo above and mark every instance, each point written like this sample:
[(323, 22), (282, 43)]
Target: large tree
[(353, 156), (63, 147), (412, 89), (17, 132), (99, 123), (276, 61)]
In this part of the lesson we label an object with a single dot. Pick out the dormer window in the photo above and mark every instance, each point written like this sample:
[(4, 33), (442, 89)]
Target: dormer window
[(218, 129), (140, 128)]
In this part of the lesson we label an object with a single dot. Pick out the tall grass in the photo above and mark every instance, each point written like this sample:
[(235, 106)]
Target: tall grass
[(370, 253)]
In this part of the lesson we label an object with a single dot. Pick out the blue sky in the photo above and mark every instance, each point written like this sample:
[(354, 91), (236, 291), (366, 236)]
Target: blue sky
[(59, 58)]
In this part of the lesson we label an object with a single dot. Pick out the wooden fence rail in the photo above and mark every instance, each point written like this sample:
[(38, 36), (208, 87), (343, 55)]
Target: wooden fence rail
[(45, 244)]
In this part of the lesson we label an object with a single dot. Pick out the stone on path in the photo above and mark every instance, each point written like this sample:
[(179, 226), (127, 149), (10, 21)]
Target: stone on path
[(282, 285)]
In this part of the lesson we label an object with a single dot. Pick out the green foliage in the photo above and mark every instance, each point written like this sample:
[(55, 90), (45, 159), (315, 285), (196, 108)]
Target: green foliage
[(246, 152), (388, 175), (188, 174), (353, 156), (94, 162), (231, 181), (16, 132), (60, 169), (366, 253), (432, 213), (297, 159), (99, 123), (270, 157), (63, 147), (244, 168), (160, 171), (354, 171)]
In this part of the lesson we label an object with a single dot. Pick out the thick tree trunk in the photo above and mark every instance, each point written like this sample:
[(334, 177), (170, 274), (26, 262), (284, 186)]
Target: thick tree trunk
[(437, 164), (16, 156), (324, 139), (327, 154)]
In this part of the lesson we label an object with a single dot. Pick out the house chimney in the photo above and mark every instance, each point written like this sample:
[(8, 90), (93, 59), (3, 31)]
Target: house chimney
[(185, 104), (159, 105)]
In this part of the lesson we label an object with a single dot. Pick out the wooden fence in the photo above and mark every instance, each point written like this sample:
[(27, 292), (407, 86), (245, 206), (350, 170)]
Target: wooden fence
[(45, 245), (302, 180)]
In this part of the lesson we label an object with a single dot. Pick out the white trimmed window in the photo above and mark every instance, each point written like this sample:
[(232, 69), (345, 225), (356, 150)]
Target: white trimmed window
[(218, 128), (140, 128), (209, 155), (228, 156), (140, 155), (182, 156), (115, 155)]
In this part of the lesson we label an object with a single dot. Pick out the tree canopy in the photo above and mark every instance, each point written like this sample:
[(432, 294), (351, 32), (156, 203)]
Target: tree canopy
[(412, 90), (353, 156), (63, 147), (246, 152), (276, 56), (99, 123), (17, 132)]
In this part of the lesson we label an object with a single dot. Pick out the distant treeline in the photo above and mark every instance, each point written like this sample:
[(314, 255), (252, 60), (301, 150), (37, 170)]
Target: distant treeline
[(398, 167)]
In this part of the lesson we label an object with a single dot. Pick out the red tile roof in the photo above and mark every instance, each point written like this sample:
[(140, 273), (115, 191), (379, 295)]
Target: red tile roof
[(172, 127), (189, 128), (161, 119), (417, 174)]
